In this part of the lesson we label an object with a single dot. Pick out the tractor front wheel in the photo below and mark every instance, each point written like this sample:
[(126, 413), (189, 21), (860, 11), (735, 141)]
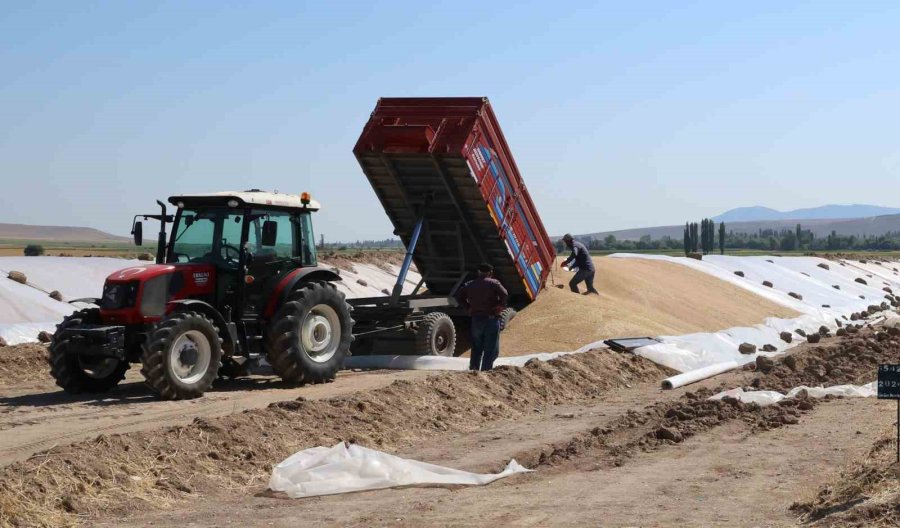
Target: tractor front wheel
[(182, 356), (311, 334), (75, 372)]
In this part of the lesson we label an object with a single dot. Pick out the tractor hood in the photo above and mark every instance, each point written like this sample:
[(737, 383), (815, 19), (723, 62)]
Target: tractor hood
[(141, 293), (193, 275), (140, 273)]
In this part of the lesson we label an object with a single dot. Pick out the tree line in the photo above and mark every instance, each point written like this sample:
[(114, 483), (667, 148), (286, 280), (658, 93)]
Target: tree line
[(702, 237), (698, 238)]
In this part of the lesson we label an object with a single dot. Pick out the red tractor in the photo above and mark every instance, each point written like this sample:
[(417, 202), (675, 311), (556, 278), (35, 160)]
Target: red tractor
[(236, 280)]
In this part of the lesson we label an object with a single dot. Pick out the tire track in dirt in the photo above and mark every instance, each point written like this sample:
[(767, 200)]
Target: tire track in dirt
[(35, 418)]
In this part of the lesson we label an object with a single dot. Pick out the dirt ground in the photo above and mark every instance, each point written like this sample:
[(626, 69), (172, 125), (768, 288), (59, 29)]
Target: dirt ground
[(38, 415), (637, 298), (608, 446)]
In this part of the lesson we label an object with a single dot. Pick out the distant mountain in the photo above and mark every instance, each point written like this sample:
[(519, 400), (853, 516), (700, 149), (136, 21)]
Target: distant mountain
[(872, 226), (756, 213), (56, 233)]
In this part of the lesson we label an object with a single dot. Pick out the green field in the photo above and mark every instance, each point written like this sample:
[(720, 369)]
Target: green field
[(15, 247)]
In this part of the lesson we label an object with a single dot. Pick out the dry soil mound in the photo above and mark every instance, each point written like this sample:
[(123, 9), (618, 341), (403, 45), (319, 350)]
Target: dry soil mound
[(23, 363), (637, 298), (146, 469)]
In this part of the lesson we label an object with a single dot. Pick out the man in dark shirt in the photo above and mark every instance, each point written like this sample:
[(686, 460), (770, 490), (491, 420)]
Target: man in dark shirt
[(581, 260), (485, 298)]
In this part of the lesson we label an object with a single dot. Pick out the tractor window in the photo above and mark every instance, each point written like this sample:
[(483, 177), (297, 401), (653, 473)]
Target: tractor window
[(285, 241), (208, 235), (194, 236)]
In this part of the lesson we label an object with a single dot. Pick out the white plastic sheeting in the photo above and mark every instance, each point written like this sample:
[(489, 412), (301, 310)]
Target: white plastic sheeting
[(26, 309), (764, 398), (800, 275), (345, 468), (451, 363)]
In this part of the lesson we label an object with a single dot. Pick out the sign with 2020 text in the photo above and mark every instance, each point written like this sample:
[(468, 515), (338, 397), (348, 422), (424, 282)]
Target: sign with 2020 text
[(889, 382)]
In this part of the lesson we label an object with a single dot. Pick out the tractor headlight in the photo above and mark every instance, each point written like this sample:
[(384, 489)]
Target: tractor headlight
[(118, 295)]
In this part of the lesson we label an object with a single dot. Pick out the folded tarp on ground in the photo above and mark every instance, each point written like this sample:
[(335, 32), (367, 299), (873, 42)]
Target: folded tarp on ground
[(345, 468)]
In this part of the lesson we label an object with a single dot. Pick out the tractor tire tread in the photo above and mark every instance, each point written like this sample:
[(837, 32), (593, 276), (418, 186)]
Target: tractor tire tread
[(64, 365), (285, 355), (156, 347)]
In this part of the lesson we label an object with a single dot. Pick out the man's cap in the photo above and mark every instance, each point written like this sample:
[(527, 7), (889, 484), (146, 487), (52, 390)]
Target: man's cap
[(485, 268), (567, 236)]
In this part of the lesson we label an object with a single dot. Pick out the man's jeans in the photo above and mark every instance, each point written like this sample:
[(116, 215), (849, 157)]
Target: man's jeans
[(583, 275), (485, 342)]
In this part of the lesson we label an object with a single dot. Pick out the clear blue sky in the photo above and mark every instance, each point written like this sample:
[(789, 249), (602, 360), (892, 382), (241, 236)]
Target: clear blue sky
[(619, 114)]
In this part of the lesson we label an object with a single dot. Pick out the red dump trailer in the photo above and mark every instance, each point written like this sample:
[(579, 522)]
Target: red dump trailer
[(447, 180)]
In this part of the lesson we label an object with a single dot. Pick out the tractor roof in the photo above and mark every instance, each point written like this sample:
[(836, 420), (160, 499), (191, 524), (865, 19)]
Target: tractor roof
[(251, 197)]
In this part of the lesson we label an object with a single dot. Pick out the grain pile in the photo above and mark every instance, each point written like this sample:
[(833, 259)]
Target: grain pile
[(637, 298)]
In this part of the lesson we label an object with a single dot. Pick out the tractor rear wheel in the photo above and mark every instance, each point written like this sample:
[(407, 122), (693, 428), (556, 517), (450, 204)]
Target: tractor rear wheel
[(311, 334), (436, 335), (77, 373), (182, 356)]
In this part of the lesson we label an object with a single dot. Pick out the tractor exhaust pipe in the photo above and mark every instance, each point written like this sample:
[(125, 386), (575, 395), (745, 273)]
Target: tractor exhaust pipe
[(161, 242)]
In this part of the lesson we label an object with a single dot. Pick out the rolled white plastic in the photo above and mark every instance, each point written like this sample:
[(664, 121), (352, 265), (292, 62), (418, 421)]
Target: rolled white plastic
[(696, 375), (406, 362)]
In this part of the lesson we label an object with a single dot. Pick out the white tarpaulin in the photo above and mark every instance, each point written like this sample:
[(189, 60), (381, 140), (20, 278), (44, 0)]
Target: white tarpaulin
[(822, 304), (345, 468), (764, 398), (451, 363), (27, 309)]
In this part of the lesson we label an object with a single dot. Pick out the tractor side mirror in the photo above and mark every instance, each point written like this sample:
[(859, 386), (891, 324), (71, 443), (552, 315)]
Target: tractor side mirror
[(269, 233), (138, 232)]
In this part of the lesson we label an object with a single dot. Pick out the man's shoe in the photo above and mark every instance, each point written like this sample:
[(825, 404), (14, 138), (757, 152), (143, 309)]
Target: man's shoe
[(595, 292)]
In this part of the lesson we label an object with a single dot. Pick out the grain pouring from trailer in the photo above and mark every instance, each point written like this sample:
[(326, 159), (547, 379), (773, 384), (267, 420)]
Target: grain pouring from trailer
[(445, 176)]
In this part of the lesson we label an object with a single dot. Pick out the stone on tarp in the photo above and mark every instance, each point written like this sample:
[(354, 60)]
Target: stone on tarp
[(747, 348)]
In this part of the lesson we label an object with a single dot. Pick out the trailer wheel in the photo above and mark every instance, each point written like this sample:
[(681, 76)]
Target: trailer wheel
[(506, 316), (76, 373), (182, 356), (311, 334), (436, 335)]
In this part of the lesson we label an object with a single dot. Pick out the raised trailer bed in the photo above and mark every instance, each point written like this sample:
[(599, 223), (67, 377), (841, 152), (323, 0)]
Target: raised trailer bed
[(448, 182)]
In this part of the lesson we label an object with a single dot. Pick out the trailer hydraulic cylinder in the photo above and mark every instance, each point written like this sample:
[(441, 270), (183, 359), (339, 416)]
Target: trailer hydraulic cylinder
[(407, 261)]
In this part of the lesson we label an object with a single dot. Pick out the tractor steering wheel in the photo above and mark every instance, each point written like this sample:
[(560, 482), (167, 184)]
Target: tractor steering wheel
[(228, 248)]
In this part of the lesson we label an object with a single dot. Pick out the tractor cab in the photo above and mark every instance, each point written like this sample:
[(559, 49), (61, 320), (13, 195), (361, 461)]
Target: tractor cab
[(242, 242), (235, 279)]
